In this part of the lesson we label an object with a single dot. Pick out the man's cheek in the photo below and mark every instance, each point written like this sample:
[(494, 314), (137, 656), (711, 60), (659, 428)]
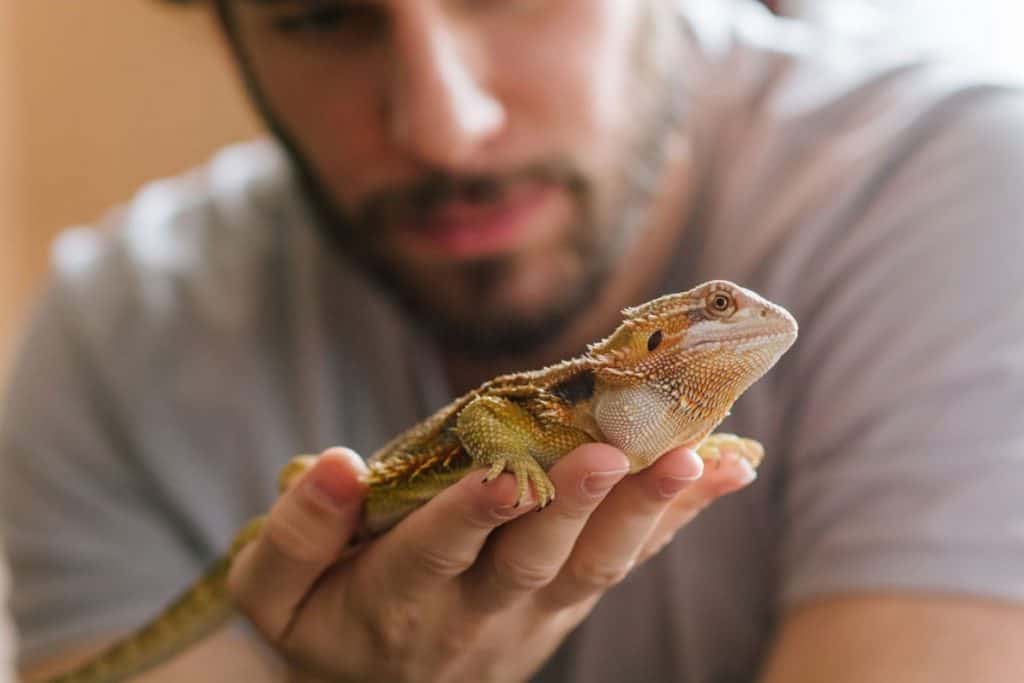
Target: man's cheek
[(349, 159)]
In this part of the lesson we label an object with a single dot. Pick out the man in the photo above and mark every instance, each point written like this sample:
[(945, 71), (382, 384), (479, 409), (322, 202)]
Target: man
[(472, 188)]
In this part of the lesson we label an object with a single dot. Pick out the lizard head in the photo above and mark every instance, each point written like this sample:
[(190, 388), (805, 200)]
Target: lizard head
[(688, 356)]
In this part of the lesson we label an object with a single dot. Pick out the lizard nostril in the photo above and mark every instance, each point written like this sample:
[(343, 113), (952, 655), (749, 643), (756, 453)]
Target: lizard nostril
[(764, 312)]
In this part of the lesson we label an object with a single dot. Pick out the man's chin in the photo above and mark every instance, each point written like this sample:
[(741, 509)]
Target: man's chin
[(477, 320), (502, 307), (490, 337)]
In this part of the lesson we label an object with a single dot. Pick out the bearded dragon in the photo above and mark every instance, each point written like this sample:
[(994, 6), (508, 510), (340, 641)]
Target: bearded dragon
[(666, 377)]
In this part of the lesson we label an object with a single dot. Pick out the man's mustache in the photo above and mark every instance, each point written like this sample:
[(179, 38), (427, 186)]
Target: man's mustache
[(422, 197)]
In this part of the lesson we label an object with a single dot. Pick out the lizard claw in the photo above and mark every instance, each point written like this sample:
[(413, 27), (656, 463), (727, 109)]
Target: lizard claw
[(527, 472), (496, 469)]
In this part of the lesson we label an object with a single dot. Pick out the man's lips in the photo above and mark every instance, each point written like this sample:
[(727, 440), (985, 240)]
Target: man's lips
[(464, 229)]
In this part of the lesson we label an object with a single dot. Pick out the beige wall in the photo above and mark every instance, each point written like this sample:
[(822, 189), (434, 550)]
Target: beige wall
[(96, 98), (9, 208)]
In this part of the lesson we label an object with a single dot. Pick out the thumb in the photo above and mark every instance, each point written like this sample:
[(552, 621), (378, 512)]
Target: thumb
[(304, 534)]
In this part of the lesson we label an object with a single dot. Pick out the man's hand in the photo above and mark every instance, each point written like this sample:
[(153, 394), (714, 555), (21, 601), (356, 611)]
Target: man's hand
[(467, 587)]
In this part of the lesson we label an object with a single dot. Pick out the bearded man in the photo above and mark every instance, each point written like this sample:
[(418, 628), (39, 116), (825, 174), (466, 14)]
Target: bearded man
[(459, 189)]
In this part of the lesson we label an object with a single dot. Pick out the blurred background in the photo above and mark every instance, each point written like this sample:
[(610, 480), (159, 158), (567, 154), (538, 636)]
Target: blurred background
[(98, 97)]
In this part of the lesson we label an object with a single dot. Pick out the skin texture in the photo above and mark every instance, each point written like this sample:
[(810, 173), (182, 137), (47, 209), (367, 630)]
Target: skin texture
[(458, 94)]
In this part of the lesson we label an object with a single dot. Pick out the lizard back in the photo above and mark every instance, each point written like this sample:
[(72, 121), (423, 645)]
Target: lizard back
[(431, 454)]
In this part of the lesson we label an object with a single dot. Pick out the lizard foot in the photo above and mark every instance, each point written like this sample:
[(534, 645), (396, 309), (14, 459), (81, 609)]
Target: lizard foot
[(526, 471), (716, 445), (295, 468)]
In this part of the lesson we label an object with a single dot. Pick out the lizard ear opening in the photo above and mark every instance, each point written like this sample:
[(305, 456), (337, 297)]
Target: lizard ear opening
[(654, 341)]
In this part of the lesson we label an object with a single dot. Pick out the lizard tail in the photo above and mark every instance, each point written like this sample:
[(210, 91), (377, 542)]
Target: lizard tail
[(202, 609), (198, 612)]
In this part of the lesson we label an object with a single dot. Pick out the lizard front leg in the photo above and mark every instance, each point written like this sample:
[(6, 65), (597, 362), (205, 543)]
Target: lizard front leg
[(506, 436)]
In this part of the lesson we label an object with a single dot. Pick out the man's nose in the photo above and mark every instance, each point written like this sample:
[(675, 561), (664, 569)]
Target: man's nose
[(440, 110)]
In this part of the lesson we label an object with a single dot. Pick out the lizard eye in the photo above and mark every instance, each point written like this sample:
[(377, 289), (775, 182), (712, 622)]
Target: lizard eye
[(654, 341), (721, 303)]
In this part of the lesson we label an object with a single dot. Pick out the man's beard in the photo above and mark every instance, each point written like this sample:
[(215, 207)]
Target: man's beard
[(600, 233), (480, 327)]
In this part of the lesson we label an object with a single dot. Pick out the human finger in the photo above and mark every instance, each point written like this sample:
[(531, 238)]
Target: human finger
[(443, 538), (528, 555), (615, 534), (304, 533), (730, 474)]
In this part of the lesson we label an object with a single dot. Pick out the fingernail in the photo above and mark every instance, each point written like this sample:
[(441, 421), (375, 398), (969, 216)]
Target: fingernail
[(348, 455), (324, 486), (696, 466), (600, 482)]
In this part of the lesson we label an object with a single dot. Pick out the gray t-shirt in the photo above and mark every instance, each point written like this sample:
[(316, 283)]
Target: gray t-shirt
[(201, 336)]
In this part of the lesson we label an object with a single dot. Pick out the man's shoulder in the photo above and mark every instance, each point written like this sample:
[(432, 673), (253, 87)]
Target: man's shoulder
[(194, 246), (178, 224), (796, 118), (817, 151), (782, 71)]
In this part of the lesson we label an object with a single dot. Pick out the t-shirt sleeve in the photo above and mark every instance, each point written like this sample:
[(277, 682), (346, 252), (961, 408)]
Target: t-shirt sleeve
[(89, 539), (905, 468)]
